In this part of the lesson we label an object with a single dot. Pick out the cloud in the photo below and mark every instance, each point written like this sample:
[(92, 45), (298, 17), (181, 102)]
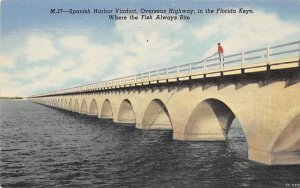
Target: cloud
[(39, 48), (33, 73), (245, 32), (84, 65), (9, 86), (147, 45), (88, 61), (53, 77), (6, 62), (74, 42), (96, 59)]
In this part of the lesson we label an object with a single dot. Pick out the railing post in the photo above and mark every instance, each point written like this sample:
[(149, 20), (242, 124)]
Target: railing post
[(243, 60), (268, 55)]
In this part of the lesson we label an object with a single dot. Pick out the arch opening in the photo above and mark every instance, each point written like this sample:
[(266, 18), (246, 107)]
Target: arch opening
[(76, 106), (70, 105), (66, 105), (210, 120), (83, 107), (213, 120), (126, 113), (236, 138), (106, 111), (93, 111), (156, 116)]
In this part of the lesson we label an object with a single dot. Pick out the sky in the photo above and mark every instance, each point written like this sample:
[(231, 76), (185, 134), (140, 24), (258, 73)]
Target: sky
[(42, 52)]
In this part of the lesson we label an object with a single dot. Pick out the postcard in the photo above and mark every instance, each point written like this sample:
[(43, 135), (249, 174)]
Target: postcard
[(162, 93)]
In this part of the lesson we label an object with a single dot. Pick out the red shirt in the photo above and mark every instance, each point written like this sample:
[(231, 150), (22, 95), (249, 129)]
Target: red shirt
[(220, 49)]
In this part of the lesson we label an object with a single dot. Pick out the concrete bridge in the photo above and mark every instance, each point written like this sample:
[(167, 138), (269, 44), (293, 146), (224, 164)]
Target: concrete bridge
[(199, 101)]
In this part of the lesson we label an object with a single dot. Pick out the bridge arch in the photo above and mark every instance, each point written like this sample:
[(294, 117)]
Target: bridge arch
[(126, 113), (156, 116), (83, 107), (76, 106), (210, 120), (61, 103), (106, 111), (93, 110), (288, 140), (66, 105), (70, 105)]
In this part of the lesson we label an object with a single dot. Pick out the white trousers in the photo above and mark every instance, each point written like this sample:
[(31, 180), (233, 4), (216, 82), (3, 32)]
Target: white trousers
[(221, 57)]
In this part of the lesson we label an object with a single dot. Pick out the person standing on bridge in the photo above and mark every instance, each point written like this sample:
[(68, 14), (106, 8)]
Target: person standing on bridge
[(221, 53)]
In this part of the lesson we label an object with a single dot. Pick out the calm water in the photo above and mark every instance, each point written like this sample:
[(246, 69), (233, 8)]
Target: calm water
[(46, 147)]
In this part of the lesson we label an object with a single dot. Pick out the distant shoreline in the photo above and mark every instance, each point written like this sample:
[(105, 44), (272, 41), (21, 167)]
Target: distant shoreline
[(14, 98)]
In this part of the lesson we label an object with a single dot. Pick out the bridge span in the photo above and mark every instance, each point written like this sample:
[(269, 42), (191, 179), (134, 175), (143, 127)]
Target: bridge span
[(199, 101)]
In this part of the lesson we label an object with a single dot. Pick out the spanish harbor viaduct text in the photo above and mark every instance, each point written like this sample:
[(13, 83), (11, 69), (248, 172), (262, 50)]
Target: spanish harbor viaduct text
[(169, 14)]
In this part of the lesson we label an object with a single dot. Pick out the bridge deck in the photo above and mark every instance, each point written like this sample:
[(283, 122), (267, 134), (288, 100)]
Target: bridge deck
[(278, 57)]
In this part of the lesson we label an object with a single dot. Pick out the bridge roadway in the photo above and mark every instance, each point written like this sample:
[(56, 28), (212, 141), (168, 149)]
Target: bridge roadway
[(199, 101)]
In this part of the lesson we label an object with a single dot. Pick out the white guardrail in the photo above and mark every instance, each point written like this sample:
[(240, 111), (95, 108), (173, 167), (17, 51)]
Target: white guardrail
[(253, 58)]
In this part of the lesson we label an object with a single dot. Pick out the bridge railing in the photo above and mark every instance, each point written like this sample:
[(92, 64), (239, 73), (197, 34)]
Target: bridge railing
[(234, 60), (252, 58), (285, 51)]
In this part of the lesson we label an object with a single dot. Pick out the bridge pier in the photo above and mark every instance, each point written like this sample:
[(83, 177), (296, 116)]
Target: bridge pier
[(270, 120), (273, 158), (210, 136)]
